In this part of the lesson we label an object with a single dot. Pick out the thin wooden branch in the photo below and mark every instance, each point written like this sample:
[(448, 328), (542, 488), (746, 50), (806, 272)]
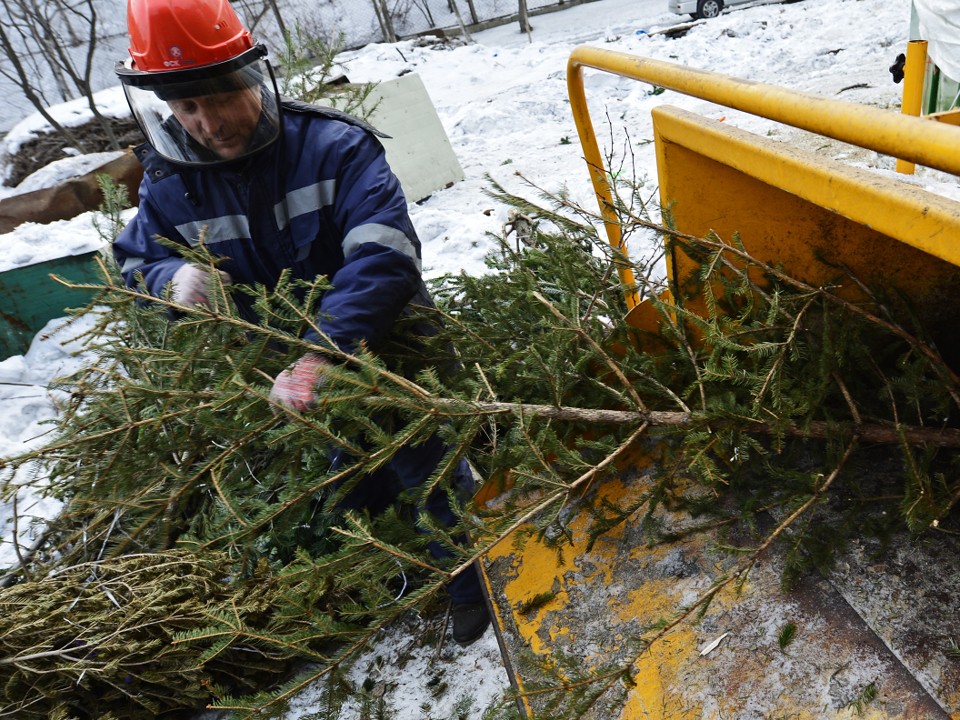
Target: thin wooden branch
[(817, 429)]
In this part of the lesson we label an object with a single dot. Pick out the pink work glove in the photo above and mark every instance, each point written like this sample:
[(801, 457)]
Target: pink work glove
[(191, 285), (296, 387)]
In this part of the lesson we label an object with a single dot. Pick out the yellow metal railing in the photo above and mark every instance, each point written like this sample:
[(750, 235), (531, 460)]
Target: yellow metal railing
[(934, 145), (913, 74)]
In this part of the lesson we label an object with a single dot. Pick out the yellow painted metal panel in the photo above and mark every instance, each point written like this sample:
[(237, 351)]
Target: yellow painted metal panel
[(817, 218), (950, 117), (935, 145)]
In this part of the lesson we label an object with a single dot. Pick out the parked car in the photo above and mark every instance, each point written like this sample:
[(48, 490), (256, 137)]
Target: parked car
[(701, 8)]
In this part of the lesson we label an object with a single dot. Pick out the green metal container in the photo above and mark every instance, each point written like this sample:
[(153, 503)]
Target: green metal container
[(31, 298)]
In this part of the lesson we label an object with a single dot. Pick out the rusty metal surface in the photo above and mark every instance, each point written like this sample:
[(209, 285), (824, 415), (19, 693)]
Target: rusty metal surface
[(872, 642), (909, 595)]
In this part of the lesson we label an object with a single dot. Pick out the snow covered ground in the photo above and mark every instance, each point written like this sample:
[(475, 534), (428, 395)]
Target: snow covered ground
[(502, 100)]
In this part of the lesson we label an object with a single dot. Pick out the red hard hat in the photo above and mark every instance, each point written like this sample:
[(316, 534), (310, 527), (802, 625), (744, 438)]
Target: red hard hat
[(184, 34)]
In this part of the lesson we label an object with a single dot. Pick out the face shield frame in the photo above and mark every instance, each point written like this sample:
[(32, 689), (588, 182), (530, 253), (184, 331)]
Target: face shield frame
[(243, 89)]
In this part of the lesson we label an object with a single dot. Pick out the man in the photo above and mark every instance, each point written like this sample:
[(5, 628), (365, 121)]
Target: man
[(272, 185)]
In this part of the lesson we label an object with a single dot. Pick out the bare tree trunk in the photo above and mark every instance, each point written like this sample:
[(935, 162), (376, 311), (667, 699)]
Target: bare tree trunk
[(252, 13), (474, 18), (523, 14), (84, 84), (20, 76), (58, 39), (278, 17), (884, 434), (424, 7), (463, 28), (385, 20), (85, 14)]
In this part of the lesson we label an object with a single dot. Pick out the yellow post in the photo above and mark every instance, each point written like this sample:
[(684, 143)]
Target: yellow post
[(913, 76), (601, 180)]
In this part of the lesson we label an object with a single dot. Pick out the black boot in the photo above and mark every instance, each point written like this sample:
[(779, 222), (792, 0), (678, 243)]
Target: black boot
[(470, 621)]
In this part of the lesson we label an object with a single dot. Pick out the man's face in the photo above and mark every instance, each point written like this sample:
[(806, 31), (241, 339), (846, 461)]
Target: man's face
[(222, 122)]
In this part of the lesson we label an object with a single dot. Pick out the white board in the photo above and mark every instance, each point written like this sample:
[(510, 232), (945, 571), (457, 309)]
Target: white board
[(418, 149)]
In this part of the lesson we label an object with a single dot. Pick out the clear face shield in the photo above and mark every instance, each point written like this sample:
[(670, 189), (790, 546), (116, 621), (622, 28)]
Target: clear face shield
[(208, 115)]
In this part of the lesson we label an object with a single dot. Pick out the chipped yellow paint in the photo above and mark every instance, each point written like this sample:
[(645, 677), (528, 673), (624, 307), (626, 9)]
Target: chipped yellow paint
[(951, 697), (532, 571), (634, 586), (536, 568), (655, 695)]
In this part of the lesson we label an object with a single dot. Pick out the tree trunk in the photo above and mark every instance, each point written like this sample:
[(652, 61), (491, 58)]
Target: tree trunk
[(474, 18), (86, 86), (23, 80), (463, 28), (424, 7), (279, 18), (884, 434), (385, 20), (523, 14)]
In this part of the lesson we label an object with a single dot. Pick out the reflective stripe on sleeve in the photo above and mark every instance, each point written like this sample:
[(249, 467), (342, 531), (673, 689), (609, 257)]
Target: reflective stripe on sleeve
[(131, 263), (305, 200), (215, 230), (382, 235)]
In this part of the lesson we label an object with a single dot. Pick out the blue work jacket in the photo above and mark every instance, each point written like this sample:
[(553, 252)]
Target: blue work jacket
[(321, 200)]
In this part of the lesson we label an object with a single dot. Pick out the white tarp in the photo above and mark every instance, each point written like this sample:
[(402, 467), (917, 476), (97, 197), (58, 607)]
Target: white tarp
[(939, 25)]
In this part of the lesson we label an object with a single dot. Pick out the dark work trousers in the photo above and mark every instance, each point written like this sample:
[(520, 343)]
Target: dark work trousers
[(410, 468)]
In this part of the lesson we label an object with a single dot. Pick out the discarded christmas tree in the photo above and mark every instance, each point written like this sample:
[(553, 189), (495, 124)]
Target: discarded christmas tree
[(182, 481)]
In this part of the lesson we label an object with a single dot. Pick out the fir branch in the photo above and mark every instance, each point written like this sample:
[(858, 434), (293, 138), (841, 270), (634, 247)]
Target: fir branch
[(581, 484), (892, 328), (363, 536), (607, 360), (172, 439)]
